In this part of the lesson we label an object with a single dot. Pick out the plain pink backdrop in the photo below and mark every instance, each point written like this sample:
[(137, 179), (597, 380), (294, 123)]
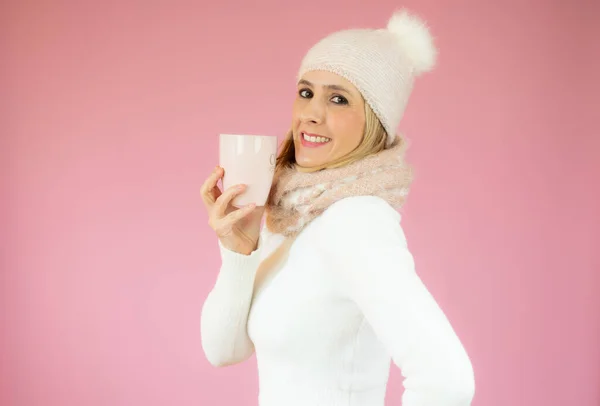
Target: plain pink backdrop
[(109, 119)]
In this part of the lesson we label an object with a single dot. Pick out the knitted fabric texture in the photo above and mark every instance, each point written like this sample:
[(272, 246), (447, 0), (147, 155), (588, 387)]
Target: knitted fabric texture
[(381, 63), (297, 198)]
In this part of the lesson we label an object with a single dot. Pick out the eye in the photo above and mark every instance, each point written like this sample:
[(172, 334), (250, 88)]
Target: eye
[(305, 93), (339, 100)]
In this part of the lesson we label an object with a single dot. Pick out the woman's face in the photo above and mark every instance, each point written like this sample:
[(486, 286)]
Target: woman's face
[(328, 118)]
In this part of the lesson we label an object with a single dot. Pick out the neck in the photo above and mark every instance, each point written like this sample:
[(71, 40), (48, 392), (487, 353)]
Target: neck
[(307, 169)]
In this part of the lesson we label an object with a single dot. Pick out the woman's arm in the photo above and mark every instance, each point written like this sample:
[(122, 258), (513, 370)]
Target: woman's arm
[(366, 247), (223, 329)]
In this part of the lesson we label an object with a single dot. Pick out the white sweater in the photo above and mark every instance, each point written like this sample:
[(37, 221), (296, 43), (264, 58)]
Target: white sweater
[(326, 321)]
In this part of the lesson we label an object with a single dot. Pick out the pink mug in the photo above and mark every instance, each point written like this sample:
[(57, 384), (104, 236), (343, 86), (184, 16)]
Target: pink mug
[(249, 160)]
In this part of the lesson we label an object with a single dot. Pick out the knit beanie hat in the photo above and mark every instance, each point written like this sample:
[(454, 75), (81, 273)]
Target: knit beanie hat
[(381, 63)]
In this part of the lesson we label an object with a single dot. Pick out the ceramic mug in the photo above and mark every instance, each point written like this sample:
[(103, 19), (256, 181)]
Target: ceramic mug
[(249, 160)]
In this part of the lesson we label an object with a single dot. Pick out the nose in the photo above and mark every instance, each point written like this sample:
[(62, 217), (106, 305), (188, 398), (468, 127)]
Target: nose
[(313, 112)]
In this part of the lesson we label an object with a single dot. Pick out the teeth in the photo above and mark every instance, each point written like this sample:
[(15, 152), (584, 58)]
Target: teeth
[(315, 139)]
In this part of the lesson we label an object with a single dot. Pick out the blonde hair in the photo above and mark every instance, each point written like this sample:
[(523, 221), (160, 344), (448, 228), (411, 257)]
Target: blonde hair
[(373, 141)]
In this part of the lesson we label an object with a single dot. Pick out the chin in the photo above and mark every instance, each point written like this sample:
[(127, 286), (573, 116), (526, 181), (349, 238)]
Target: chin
[(303, 160), (309, 163)]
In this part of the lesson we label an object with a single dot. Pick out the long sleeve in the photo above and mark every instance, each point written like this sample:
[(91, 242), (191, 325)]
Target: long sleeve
[(366, 248), (224, 315)]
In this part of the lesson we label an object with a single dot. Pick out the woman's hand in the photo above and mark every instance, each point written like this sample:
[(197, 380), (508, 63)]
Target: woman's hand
[(237, 229)]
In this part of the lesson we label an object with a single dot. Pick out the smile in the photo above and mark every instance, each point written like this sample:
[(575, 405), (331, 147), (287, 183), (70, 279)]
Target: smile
[(310, 140)]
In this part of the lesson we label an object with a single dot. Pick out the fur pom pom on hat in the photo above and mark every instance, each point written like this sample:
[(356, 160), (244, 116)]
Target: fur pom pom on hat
[(381, 63)]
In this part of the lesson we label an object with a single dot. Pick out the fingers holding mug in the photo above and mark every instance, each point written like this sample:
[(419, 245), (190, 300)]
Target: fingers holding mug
[(239, 214), (224, 201), (209, 191)]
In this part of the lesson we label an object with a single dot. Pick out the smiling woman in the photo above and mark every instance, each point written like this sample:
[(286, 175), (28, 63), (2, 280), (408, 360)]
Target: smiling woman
[(332, 125), (328, 119), (326, 293)]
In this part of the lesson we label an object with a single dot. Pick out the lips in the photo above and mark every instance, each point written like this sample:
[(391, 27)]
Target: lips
[(313, 140)]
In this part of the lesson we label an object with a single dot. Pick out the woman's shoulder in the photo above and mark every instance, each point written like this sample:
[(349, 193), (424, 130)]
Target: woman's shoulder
[(355, 224), (364, 215), (360, 208)]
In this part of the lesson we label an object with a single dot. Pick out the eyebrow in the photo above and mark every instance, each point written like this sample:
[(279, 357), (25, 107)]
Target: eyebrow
[(331, 87)]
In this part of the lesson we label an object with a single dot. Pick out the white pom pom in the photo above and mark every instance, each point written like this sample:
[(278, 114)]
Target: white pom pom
[(415, 40)]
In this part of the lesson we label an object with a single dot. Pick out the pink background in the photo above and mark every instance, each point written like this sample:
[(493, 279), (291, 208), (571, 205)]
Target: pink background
[(109, 119)]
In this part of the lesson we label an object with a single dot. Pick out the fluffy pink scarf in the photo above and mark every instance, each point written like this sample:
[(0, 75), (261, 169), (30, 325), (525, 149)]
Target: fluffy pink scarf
[(297, 197)]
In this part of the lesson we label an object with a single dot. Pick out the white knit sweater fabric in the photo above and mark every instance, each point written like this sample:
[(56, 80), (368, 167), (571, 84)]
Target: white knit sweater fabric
[(326, 318)]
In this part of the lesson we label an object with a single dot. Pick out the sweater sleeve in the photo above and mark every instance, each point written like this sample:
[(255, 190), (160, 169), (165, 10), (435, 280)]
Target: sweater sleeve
[(366, 247), (225, 311)]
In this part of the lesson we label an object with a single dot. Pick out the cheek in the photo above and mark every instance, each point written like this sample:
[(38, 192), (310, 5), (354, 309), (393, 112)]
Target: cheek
[(296, 109), (348, 126)]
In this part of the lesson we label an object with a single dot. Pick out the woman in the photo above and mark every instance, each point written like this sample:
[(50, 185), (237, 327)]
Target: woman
[(326, 294)]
